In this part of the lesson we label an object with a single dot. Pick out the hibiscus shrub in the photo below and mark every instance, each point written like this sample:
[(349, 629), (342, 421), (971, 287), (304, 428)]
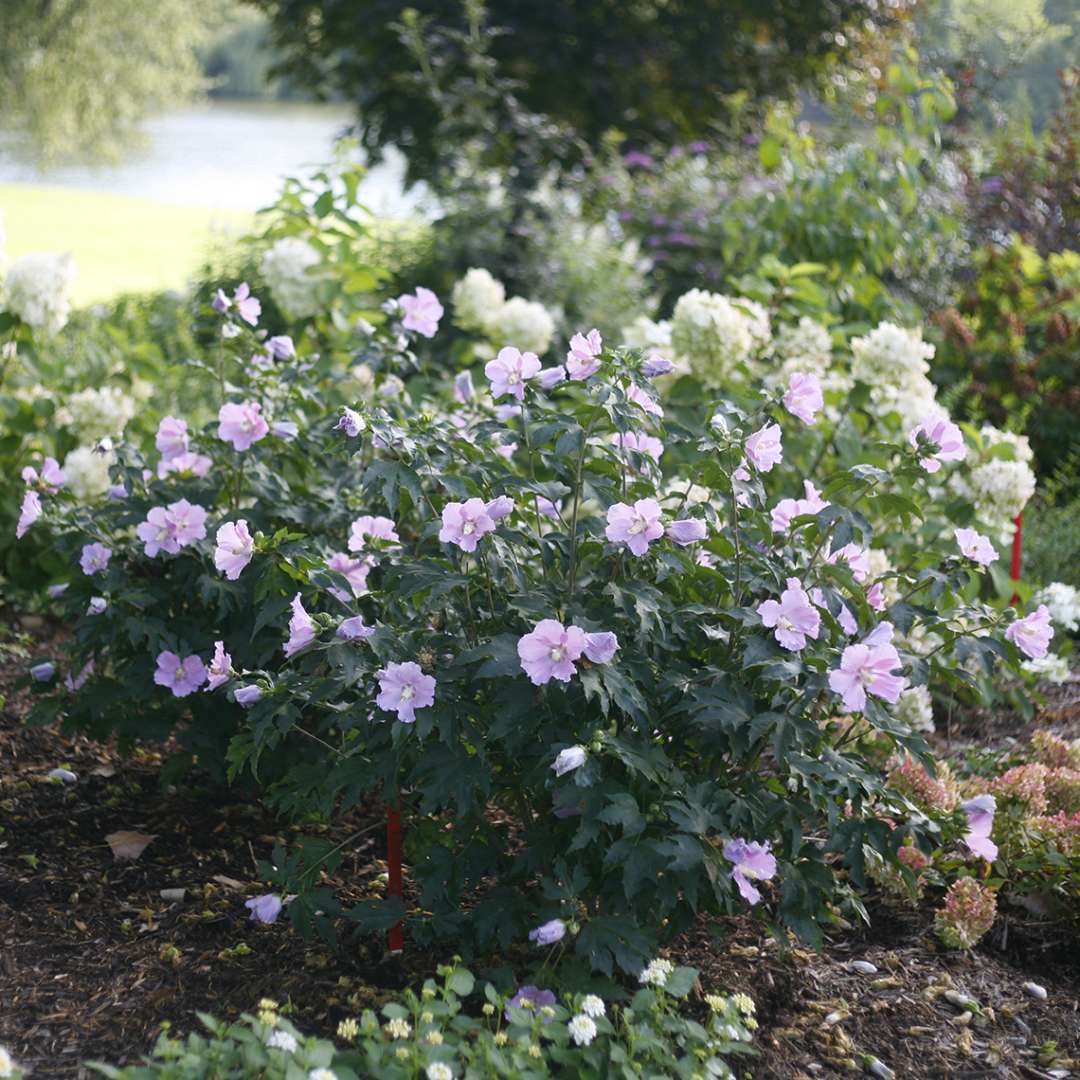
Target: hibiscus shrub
[(600, 690)]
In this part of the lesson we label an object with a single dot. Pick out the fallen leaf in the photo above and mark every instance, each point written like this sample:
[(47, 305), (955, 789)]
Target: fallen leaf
[(128, 845), (103, 770)]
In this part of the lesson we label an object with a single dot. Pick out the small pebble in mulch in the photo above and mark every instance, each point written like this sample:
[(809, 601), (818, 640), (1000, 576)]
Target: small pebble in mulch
[(1035, 990), (960, 1001), (863, 967), (65, 776), (876, 1067)]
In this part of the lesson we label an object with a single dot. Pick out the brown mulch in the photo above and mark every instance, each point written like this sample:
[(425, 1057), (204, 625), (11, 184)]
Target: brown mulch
[(93, 958)]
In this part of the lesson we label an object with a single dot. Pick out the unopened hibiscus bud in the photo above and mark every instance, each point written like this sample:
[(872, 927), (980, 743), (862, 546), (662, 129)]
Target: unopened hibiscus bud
[(247, 695), (265, 908), (550, 377), (686, 531), (463, 388), (548, 933), (281, 347), (573, 757), (655, 366)]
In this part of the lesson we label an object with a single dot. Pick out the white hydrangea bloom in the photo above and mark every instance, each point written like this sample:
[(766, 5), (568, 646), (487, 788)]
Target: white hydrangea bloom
[(582, 1029), (38, 288), (657, 973), (1021, 444), (285, 267), (1063, 602), (646, 333), (87, 473), (890, 356), (1001, 489), (757, 322), (892, 361), (1052, 668), (804, 347), (715, 333), (918, 640), (525, 324), (7, 1066), (916, 709), (97, 413), (477, 298)]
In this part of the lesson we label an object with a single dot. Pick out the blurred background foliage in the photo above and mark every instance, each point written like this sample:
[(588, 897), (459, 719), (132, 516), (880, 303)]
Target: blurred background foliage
[(602, 158)]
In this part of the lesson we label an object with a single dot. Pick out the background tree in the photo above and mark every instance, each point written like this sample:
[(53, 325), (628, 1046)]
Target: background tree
[(655, 69), (77, 78)]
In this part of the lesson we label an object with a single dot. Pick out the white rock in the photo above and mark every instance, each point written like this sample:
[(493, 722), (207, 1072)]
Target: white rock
[(876, 1067), (863, 967), (1035, 990)]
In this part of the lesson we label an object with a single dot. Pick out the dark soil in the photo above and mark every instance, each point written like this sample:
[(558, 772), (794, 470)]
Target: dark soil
[(94, 958)]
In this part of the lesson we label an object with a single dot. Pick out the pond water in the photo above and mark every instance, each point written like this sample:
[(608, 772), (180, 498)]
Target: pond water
[(226, 155)]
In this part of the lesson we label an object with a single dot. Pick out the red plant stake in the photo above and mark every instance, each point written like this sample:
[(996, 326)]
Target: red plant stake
[(393, 859), (1014, 571)]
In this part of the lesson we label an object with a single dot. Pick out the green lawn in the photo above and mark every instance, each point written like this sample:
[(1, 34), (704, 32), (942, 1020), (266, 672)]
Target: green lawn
[(120, 244)]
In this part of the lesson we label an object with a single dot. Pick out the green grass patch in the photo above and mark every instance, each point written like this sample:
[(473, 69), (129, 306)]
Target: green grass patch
[(121, 244)]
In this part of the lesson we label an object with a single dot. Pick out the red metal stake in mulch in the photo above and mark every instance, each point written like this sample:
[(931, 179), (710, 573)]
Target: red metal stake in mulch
[(1014, 571), (393, 860)]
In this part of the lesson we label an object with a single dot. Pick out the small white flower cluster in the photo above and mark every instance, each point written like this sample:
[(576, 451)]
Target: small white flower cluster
[(997, 487), (7, 1065), (582, 1029), (38, 288), (480, 306), (892, 361), (285, 268), (397, 1028), (439, 1070), (915, 709), (714, 333), (1052, 668), (86, 472), (1063, 603), (282, 1040), (97, 413), (657, 973)]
